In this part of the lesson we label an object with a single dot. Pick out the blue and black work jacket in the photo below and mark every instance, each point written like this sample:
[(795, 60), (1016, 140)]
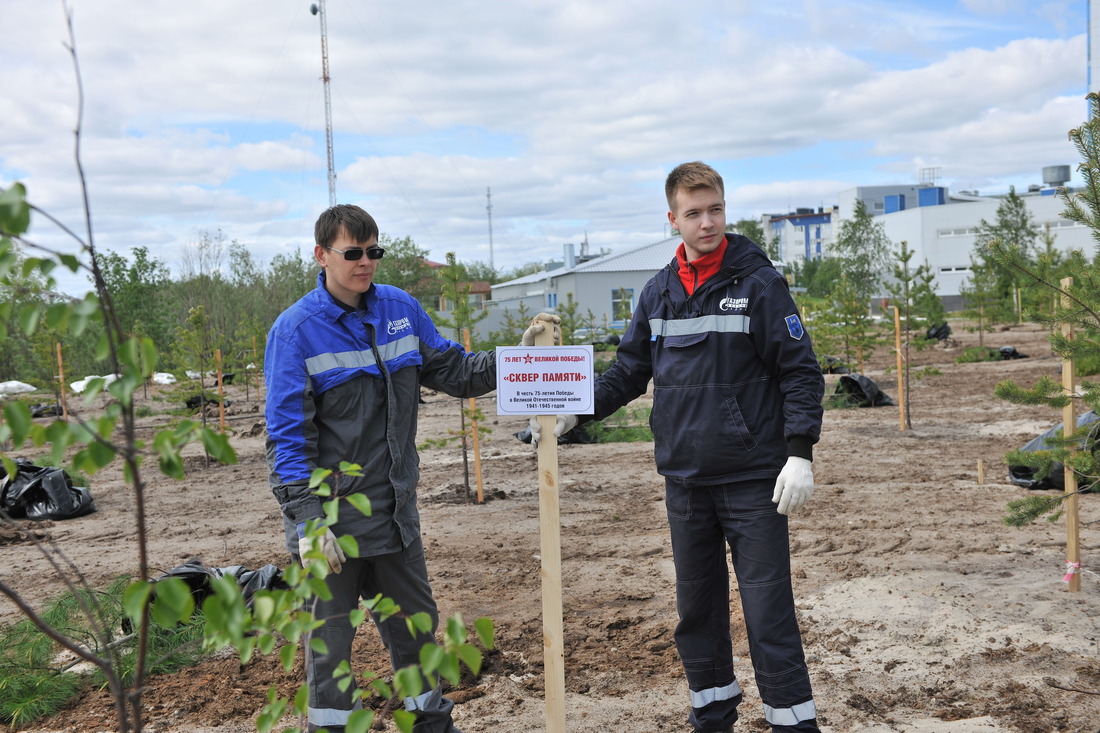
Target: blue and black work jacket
[(344, 385), (736, 385)]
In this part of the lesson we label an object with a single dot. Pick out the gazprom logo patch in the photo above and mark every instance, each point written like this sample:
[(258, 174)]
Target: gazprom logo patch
[(794, 326), (734, 304), (397, 326)]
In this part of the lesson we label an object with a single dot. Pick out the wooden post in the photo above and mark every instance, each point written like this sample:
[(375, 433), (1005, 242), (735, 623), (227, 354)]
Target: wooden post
[(981, 472), (901, 383), (61, 383), (1069, 424), (221, 392), (473, 433), (553, 637)]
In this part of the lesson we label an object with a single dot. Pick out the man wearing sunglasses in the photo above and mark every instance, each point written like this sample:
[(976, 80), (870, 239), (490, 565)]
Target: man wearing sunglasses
[(344, 367)]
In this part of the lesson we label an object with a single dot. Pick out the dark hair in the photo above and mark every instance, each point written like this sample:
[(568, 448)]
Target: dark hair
[(359, 225), (690, 177)]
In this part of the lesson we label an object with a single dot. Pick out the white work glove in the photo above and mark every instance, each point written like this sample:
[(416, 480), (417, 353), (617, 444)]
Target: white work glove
[(326, 544), (795, 485), (538, 325), (564, 425)]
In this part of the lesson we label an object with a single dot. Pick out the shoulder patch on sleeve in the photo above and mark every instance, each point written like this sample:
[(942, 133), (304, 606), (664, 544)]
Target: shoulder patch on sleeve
[(794, 326)]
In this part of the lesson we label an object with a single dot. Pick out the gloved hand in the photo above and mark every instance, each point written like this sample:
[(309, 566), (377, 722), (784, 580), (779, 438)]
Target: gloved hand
[(326, 544), (538, 325), (565, 424), (794, 486)]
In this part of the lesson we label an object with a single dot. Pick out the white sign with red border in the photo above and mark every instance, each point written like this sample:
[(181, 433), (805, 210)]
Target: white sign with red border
[(544, 380)]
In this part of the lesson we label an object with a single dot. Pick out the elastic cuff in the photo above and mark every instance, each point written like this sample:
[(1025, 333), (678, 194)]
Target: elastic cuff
[(800, 446)]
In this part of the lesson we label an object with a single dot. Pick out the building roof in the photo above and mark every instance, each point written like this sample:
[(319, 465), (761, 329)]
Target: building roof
[(648, 258)]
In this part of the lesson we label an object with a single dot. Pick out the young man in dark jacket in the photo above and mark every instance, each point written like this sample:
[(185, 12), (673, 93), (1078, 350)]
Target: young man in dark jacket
[(737, 407), (344, 367)]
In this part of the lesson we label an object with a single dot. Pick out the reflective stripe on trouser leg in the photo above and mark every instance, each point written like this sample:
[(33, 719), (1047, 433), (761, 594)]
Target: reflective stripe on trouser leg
[(758, 539), (703, 606)]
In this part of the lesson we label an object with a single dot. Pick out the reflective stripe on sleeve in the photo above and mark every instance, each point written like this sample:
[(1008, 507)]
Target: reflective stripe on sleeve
[(357, 359)]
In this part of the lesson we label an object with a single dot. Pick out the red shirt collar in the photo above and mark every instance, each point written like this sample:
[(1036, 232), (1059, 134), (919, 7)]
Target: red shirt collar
[(695, 273)]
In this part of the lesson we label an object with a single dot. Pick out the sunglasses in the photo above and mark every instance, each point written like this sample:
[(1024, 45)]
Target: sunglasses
[(356, 253)]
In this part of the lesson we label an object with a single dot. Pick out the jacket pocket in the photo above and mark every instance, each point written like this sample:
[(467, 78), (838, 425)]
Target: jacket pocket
[(737, 424)]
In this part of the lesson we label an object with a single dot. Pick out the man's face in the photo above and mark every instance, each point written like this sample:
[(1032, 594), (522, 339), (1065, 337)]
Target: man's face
[(700, 216), (346, 280)]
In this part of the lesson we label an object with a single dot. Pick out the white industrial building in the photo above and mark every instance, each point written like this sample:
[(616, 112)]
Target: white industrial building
[(940, 228)]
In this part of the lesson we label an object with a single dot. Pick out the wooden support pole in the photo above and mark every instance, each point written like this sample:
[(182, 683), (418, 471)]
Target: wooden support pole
[(61, 383), (981, 472), (553, 636), (473, 433), (901, 382), (221, 392), (1069, 424)]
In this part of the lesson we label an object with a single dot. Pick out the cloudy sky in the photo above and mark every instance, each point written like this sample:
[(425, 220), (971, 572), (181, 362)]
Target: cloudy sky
[(208, 116)]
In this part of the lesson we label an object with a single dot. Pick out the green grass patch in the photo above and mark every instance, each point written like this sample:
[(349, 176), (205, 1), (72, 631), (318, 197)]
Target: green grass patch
[(34, 682), (627, 425), (973, 354)]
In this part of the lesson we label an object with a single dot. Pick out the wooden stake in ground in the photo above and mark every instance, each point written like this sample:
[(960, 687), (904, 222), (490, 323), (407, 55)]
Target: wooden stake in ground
[(473, 433), (221, 392), (901, 384), (553, 647), (1069, 423), (61, 383)]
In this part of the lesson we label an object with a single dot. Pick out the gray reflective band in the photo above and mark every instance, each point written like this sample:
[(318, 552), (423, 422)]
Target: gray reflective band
[(357, 359), (702, 698), (702, 324), (790, 716), (330, 716)]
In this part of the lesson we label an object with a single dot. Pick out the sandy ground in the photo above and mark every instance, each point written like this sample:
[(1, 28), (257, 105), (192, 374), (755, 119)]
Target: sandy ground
[(921, 611)]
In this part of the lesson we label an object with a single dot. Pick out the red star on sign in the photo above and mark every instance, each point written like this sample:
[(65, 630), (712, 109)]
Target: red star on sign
[(528, 359)]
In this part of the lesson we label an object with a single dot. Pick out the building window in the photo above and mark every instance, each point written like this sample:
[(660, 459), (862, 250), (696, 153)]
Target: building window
[(551, 300), (622, 304)]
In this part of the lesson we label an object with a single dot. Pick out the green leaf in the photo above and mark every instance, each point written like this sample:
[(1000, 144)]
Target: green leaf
[(301, 699), (448, 668), (29, 317), (134, 598), (348, 545), (360, 502), (360, 721), (15, 212), (421, 622), (57, 316), (456, 630), (485, 631), (404, 720), (318, 646), (357, 616), (408, 681), (172, 602), (217, 445), (471, 657), (287, 654), (69, 261), (318, 476), (17, 416), (431, 657)]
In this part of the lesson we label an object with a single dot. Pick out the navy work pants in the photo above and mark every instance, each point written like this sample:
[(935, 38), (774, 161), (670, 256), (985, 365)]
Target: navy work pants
[(703, 520), (402, 576)]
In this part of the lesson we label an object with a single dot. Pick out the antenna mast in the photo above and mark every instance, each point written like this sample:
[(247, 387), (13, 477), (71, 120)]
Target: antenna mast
[(489, 209), (319, 8)]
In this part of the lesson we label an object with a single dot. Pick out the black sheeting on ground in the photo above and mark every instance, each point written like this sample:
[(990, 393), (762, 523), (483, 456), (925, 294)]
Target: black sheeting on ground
[(1009, 352), (198, 577), (938, 333), (861, 391), (38, 492), (1025, 475)]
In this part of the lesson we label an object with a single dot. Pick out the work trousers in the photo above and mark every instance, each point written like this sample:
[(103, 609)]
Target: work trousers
[(703, 520), (402, 576)]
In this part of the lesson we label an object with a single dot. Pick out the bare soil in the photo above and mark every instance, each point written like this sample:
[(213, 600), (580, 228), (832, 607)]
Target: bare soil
[(921, 610)]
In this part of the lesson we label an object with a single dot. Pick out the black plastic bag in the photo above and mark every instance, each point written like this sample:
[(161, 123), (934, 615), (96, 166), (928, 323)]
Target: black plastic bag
[(37, 492), (1009, 352), (861, 391), (1025, 475), (198, 577), (938, 333)]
